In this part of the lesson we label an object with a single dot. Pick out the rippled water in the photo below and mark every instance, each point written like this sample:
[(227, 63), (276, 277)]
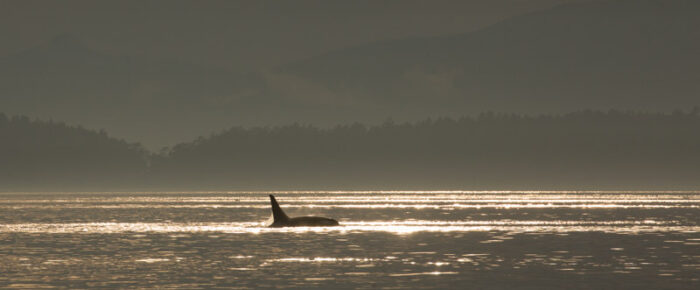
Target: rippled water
[(454, 239)]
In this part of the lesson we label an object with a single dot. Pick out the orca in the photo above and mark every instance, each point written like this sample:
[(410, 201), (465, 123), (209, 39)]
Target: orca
[(282, 220)]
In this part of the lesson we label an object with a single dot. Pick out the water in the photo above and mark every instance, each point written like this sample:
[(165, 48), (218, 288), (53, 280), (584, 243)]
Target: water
[(480, 240)]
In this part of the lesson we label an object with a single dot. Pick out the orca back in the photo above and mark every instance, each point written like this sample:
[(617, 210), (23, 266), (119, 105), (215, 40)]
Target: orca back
[(280, 219)]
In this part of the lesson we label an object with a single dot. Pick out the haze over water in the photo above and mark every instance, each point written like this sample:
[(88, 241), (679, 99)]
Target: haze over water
[(429, 239)]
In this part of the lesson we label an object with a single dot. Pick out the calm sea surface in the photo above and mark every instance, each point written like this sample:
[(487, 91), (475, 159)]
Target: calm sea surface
[(453, 239)]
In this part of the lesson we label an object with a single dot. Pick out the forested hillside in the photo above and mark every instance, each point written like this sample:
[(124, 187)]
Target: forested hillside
[(581, 150), (54, 156), (586, 149)]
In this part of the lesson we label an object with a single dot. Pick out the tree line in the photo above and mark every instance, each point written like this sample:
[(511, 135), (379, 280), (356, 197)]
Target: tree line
[(585, 149), (35, 154)]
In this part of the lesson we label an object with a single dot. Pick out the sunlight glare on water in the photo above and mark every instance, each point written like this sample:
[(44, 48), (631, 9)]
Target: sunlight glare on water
[(395, 227), (399, 239)]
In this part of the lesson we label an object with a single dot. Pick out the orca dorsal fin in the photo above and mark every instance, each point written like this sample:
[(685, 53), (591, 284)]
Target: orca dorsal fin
[(277, 213)]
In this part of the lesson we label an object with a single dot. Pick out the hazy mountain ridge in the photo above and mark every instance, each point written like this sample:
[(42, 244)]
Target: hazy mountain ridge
[(66, 66), (626, 54), (134, 96), (642, 55)]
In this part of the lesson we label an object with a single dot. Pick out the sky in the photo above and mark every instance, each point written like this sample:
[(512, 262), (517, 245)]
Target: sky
[(243, 34)]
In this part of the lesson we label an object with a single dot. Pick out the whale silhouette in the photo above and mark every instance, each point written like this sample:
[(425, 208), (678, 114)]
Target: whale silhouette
[(282, 220)]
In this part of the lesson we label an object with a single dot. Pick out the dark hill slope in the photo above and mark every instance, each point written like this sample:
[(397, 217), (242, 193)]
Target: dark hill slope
[(582, 150), (52, 156)]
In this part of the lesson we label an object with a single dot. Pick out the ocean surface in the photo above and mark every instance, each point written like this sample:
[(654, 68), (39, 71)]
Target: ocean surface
[(387, 239)]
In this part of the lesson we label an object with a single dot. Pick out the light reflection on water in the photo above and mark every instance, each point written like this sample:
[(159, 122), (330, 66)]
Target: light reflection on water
[(396, 239), (362, 206), (396, 227), (439, 200)]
